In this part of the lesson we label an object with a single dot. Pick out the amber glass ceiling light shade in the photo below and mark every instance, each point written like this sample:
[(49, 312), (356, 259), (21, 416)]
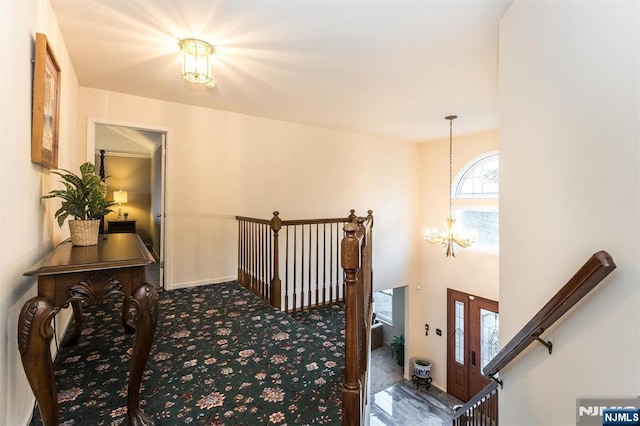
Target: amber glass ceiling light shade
[(449, 237), (196, 60)]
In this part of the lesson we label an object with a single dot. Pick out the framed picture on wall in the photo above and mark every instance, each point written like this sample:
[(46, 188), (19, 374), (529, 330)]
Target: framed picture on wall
[(46, 105)]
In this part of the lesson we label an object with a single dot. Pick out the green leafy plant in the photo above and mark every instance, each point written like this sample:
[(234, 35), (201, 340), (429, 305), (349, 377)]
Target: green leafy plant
[(397, 348), (423, 362), (83, 197)]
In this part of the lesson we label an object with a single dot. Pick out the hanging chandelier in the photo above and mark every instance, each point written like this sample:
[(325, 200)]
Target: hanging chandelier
[(449, 238)]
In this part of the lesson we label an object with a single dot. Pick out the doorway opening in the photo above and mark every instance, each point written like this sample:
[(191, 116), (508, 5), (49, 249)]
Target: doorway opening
[(387, 366), (134, 161), (472, 341)]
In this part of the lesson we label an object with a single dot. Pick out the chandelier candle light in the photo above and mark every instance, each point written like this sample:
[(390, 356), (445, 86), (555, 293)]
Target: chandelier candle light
[(449, 238)]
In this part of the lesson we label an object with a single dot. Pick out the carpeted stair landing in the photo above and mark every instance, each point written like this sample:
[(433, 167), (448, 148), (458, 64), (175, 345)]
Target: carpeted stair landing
[(220, 356)]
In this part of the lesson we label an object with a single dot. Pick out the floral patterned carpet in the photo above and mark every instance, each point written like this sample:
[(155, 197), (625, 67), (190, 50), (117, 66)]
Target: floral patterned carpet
[(220, 356)]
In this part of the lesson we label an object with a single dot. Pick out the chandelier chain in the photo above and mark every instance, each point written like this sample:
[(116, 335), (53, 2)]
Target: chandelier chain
[(450, 160), (449, 238)]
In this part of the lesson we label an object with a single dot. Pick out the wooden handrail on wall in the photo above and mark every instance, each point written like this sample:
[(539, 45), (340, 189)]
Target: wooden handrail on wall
[(482, 408), (598, 266)]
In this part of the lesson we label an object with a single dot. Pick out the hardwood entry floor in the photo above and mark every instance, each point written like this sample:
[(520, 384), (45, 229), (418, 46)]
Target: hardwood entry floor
[(402, 404)]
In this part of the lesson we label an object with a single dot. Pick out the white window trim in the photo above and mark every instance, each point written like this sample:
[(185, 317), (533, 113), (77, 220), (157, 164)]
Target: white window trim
[(383, 319)]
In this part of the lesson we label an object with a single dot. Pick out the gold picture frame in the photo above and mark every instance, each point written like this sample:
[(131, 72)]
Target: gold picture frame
[(46, 105)]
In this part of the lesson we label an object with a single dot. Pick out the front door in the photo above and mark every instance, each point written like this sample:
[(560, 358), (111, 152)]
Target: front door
[(472, 341)]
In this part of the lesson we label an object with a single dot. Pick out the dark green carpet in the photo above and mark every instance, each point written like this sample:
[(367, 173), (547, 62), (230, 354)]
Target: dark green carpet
[(220, 356)]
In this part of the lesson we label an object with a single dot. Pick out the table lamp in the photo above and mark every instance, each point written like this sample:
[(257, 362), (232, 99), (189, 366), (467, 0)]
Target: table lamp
[(120, 197)]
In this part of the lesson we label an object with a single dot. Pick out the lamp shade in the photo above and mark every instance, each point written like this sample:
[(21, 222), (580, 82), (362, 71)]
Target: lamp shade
[(196, 56), (120, 196)]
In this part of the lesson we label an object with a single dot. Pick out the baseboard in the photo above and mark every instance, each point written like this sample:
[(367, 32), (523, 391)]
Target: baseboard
[(188, 284), (27, 422)]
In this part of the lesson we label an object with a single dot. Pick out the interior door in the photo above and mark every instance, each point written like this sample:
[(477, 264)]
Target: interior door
[(160, 212), (139, 141), (472, 341)]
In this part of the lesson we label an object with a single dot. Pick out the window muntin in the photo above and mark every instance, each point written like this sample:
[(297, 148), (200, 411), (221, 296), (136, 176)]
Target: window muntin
[(478, 179)]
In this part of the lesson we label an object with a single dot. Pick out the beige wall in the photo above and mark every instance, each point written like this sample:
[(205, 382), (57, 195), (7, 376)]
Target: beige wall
[(221, 164), (30, 229), (570, 186), (470, 271), (131, 174)]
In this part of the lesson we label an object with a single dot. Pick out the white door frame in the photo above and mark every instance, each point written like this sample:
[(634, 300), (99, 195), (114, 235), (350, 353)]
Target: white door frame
[(164, 199)]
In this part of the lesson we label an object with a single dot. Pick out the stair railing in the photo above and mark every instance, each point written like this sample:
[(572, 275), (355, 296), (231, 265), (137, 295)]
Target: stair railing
[(319, 268), (595, 269), (292, 264), (356, 261), (482, 409)]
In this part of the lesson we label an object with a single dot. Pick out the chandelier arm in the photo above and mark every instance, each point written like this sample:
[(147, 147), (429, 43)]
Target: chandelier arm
[(462, 242)]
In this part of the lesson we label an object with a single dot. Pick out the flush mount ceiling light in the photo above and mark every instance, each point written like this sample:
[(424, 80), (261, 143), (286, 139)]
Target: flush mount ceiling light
[(196, 60), (449, 237)]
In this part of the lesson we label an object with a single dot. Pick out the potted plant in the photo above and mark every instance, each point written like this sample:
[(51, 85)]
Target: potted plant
[(83, 199), (397, 348), (422, 367)]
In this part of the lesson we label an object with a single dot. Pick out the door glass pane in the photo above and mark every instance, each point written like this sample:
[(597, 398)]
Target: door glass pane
[(459, 340), (489, 334)]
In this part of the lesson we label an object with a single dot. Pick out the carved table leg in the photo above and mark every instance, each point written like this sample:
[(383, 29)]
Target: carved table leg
[(127, 324), (34, 338), (145, 302), (72, 339)]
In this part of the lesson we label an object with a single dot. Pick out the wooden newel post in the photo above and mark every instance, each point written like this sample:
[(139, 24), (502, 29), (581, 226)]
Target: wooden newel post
[(360, 233), (350, 262), (276, 284), (352, 215)]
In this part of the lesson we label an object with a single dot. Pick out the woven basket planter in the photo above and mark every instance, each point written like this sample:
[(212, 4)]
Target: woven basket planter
[(84, 232)]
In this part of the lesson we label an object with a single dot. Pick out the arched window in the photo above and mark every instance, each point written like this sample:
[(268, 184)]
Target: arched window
[(475, 189), (478, 178)]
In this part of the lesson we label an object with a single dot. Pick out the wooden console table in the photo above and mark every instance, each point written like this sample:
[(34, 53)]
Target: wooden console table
[(77, 275), (121, 226)]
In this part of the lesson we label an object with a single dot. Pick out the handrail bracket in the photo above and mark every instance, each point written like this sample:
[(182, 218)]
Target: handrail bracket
[(548, 344), (498, 381)]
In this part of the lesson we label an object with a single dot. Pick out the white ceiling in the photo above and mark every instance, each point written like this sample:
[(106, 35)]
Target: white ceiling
[(126, 140), (386, 67)]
